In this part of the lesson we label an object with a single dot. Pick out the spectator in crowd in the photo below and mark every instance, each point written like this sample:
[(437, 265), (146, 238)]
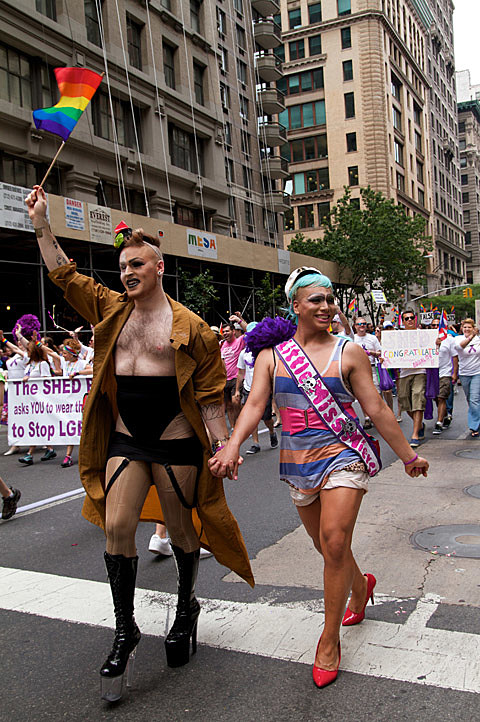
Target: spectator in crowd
[(468, 349), (372, 348), (230, 351), (341, 325), (73, 365), (447, 373), (411, 389)]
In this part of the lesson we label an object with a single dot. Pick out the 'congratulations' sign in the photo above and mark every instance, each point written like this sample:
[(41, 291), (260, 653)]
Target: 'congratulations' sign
[(410, 349)]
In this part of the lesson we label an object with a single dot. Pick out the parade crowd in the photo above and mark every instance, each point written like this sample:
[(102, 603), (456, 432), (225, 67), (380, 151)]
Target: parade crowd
[(173, 399)]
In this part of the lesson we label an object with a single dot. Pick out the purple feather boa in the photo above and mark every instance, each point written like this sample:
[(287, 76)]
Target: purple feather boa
[(268, 333), (29, 323)]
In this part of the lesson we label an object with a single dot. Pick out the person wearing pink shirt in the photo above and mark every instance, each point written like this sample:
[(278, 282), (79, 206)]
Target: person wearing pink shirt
[(230, 351)]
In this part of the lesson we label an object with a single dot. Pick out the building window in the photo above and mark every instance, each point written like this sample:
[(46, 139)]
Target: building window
[(26, 173), (421, 197), (303, 116), (242, 71), (288, 220), (191, 217), (232, 211), (463, 162), (344, 7), (347, 70), (462, 144), (323, 210), (466, 217), (315, 45), (228, 133), (221, 22), (108, 195), (418, 142), (134, 33), (249, 217), (198, 71), (238, 5), (351, 142), (461, 126), (165, 4), (315, 13), (469, 276), (243, 107), (397, 118), (400, 182), (270, 221), (420, 172), (15, 77), (355, 203), (47, 7), (396, 88), (223, 62), (353, 175), (311, 181), (122, 113), (241, 38), (247, 176), (302, 82), (398, 150), (346, 35), (92, 22), (297, 49), (195, 6), (465, 197), (468, 237), (169, 65), (305, 216), (349, 99), (294, 19), (182, 150), (229, 170), (225, 96), (417, 114), (245, 137), (306, 149), (280, 53)]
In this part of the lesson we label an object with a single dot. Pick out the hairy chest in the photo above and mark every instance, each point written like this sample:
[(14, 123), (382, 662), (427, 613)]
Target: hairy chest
[(146, 336)]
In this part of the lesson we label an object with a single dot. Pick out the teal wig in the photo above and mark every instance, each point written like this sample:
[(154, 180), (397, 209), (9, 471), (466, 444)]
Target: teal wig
[(310, 279)]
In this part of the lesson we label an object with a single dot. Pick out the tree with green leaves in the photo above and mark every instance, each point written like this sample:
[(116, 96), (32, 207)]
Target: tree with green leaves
[(198, 292), (374, 244), (463, 307), (267, 298)]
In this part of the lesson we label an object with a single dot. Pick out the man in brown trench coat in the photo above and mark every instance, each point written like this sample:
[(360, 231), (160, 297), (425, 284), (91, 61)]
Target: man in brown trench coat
[(158, 380)]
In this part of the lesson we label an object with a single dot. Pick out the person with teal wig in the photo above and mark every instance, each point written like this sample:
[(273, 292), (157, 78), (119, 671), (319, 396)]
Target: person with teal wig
[(326, 477)]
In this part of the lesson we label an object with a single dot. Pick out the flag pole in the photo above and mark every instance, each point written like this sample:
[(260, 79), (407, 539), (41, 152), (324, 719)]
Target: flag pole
[(52, 163)]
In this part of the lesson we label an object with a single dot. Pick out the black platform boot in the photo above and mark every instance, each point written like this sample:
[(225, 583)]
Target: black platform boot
[(177, 642), (122, 572)]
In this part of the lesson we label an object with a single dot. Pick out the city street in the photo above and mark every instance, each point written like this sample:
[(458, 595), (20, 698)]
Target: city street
[(415, 657)]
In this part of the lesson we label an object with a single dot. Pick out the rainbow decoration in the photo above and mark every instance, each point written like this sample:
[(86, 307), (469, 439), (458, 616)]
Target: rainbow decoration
[(77, 87), (352, 306)]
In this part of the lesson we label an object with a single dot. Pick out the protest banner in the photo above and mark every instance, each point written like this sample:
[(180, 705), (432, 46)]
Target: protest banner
[(410, 349), (426, 317), (378, 296), (46, 410)]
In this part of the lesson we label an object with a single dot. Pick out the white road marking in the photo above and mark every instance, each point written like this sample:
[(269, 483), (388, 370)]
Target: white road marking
[(408, 652)]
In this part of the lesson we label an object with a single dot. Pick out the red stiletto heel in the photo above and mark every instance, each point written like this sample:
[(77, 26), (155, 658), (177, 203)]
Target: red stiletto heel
[(350, 618), (323, 677)]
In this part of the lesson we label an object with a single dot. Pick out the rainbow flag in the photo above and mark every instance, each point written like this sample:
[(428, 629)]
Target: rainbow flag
[(352, 306), (77, 87)]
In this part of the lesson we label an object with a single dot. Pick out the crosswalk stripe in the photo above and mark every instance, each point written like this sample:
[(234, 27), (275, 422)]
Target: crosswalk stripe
[(409, 652)]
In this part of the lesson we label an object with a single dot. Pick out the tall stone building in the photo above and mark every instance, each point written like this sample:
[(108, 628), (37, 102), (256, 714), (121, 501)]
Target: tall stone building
[(450, 254), (469, 134), (356, 87), (170, 140)]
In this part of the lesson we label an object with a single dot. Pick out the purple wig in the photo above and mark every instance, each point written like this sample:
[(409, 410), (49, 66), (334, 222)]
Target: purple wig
[(29, 324), (269, 332)]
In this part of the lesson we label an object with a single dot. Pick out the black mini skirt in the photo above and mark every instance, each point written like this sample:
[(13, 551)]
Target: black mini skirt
[(175, 452)]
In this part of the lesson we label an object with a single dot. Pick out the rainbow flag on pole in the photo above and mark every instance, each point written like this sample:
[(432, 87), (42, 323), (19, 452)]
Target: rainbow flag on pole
[(352, 306), (77, 87)]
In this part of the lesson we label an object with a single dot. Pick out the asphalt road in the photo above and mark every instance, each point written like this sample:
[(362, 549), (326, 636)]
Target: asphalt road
[(53, 641)]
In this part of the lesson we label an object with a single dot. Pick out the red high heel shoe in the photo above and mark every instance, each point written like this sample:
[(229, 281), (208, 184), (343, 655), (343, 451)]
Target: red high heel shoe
[(350, 618), (322, 677)]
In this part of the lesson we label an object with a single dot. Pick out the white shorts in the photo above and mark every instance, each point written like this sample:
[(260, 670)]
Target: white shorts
[(342, 477)]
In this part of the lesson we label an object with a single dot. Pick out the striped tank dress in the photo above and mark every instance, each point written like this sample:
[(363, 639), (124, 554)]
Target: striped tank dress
[(309, 455)]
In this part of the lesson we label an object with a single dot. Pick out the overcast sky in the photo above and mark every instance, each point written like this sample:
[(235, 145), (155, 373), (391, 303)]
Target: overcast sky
[(466, 25)]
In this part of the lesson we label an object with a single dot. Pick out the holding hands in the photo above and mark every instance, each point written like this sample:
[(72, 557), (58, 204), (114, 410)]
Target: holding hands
[(226, 462)]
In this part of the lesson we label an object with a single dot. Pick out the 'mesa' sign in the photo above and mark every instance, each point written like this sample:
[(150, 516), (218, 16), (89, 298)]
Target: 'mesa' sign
[(201, 244)]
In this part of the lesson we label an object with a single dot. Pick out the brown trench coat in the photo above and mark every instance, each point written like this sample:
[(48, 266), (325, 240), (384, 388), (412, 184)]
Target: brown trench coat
[(201, 380)]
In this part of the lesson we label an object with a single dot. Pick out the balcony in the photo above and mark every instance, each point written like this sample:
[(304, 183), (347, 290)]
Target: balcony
[(275, 167), (281, 201), (267, 34), (270, 101), (266, 7), (269, 67), (272, 134)]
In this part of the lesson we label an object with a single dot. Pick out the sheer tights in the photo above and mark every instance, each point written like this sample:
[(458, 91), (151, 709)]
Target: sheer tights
[(126, 498)]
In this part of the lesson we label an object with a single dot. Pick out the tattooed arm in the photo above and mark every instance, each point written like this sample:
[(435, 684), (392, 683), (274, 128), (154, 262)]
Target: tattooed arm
[(49, 247), (213, 416)]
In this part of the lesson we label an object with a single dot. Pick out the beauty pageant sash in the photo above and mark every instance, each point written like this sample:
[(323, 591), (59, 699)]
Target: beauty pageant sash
[(328, 407)]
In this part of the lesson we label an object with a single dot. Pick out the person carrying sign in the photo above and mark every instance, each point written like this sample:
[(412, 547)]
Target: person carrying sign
[(411, 389), (325, 455), (158, 381)]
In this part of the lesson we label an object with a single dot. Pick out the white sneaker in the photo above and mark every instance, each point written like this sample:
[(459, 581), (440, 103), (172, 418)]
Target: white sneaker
[(204, 553), (160, 546)]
